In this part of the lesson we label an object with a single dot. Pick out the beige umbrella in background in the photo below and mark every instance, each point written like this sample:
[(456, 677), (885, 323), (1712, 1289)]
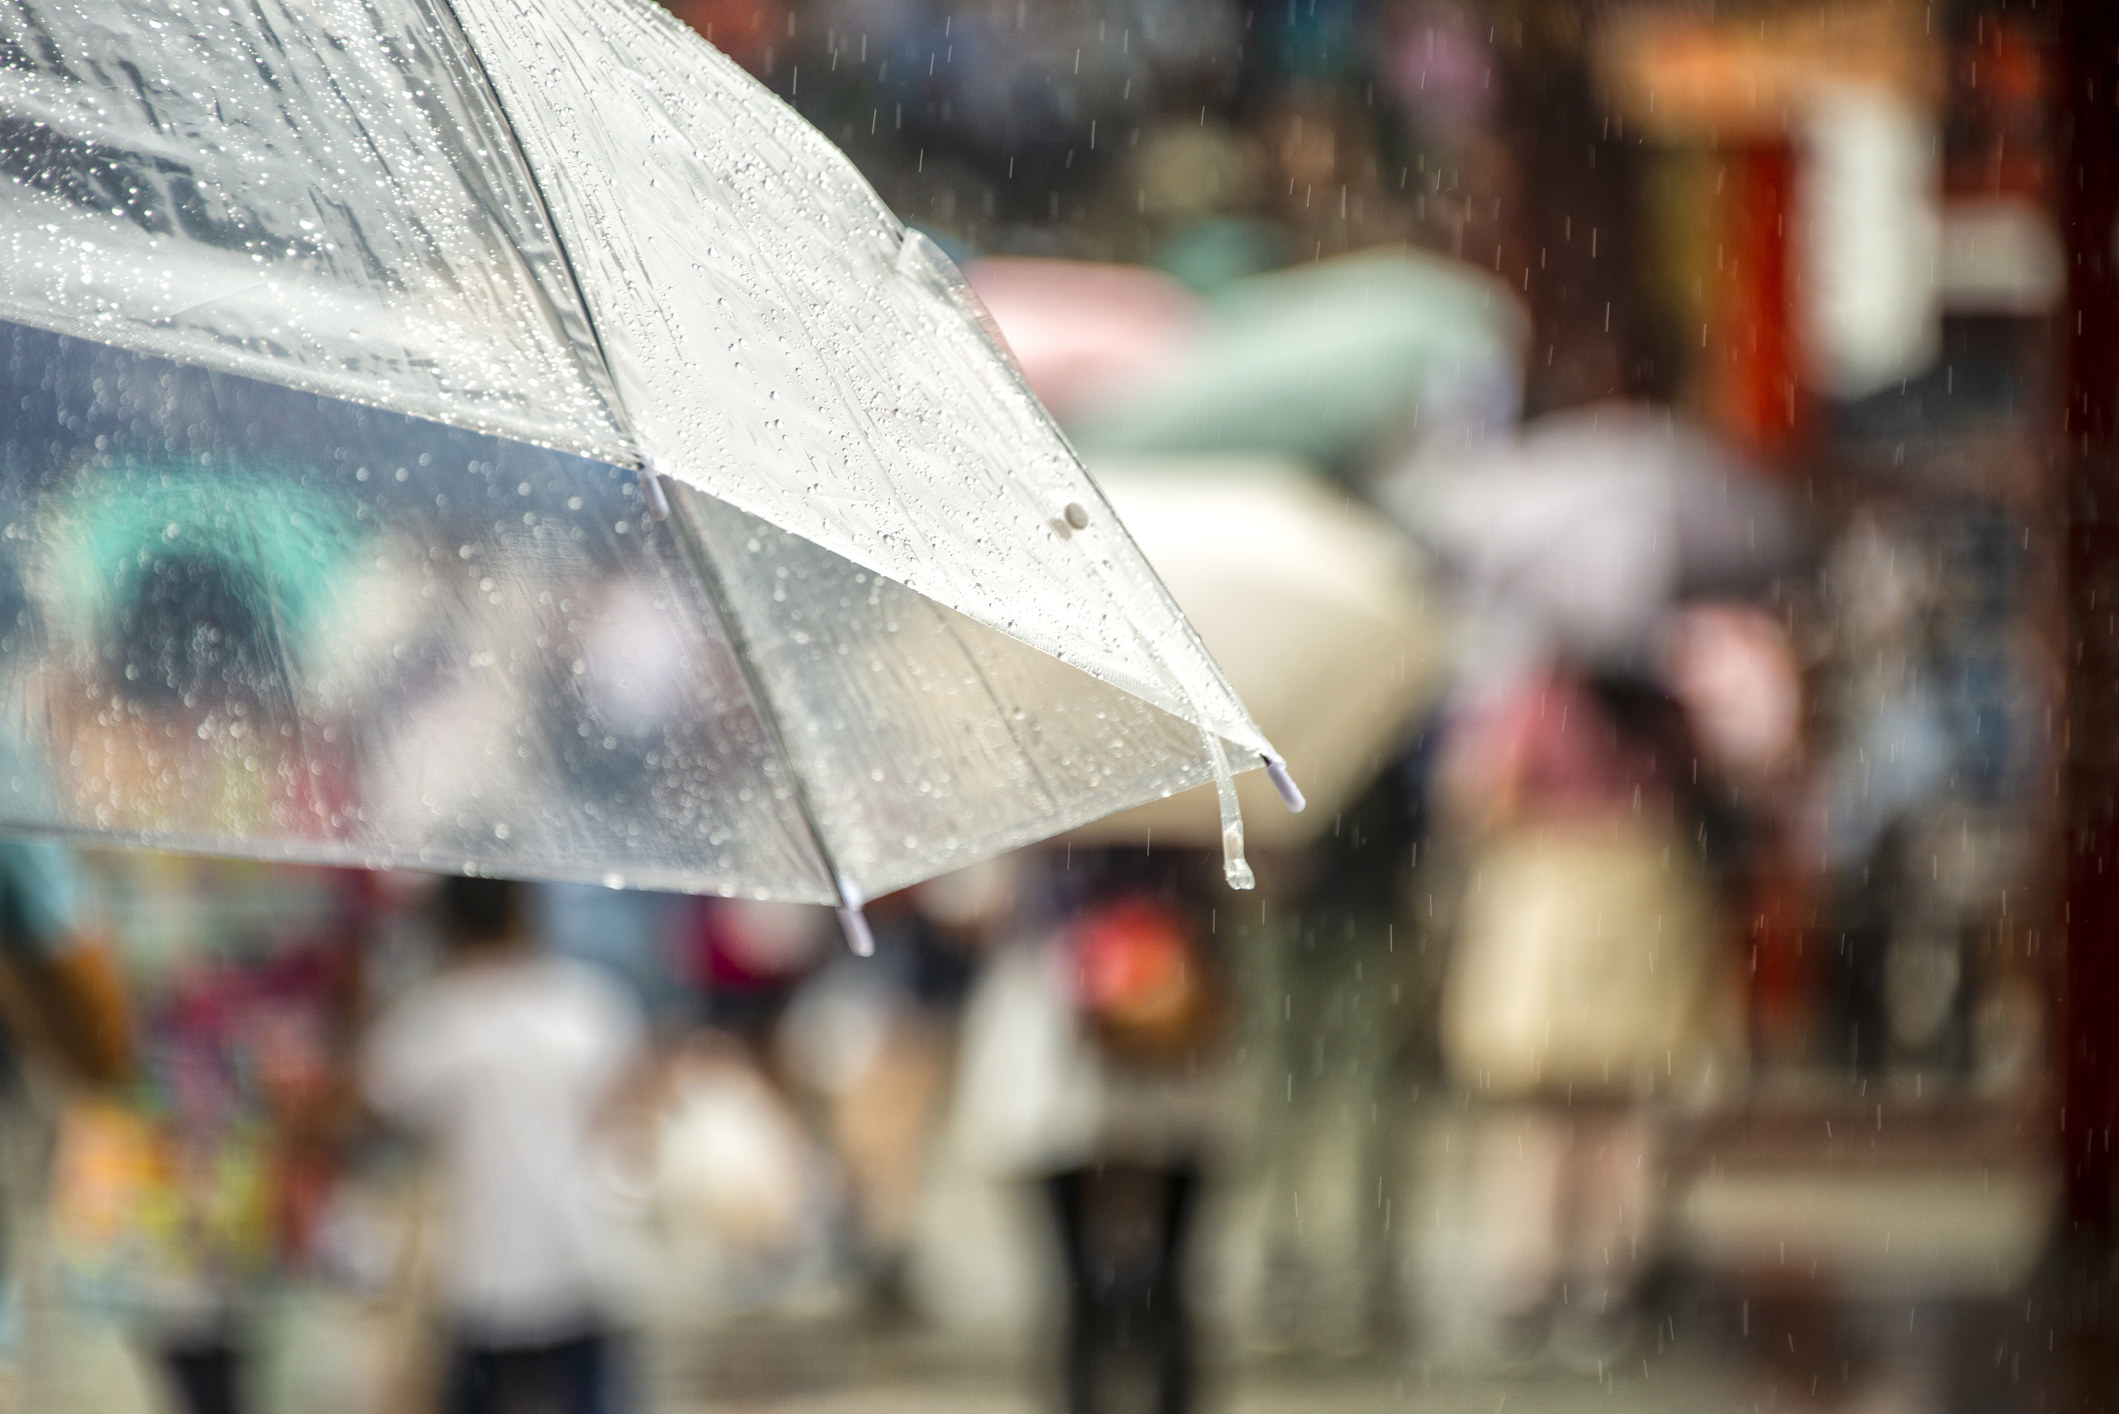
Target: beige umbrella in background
[(1318, 609)]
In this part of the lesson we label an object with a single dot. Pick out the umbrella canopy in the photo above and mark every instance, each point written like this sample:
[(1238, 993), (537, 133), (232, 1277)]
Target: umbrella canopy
[(1318, 607), (409, 323), (1586, 526)]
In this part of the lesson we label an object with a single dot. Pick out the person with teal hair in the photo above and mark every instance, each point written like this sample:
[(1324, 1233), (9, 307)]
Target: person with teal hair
[(197, 581)]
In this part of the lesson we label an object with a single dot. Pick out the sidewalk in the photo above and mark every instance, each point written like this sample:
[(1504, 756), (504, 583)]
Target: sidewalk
[(1675, 1389)]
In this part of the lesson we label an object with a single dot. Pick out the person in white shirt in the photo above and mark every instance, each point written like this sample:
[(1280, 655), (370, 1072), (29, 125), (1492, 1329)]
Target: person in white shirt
[(505, 1062)]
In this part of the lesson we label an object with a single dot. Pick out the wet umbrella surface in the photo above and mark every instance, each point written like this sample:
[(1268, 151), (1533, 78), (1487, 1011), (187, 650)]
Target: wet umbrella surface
[(516, 442)]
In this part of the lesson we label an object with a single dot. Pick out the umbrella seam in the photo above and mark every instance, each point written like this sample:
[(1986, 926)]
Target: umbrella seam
[(1000, 712), (619, 411), (657, 505), (693, 545), (1141, 571), (1140, 576)]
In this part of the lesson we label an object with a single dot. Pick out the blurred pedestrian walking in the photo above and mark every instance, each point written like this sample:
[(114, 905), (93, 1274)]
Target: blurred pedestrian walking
[(1095, 1063), (874, 1042), (197, 1174), (507, 1063), (1583, 987)]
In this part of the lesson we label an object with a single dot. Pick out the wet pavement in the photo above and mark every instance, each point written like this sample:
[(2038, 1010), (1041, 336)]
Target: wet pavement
[(1706, 1353), (1718, 1356)]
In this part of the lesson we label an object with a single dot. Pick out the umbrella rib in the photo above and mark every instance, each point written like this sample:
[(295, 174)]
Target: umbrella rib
[(851, 918), (849, 902), (1000, 710), (447, 9), (694, 548)]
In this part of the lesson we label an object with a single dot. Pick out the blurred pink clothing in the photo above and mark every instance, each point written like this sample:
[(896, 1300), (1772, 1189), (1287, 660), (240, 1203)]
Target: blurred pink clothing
[(1086, 333), (1546, 750)]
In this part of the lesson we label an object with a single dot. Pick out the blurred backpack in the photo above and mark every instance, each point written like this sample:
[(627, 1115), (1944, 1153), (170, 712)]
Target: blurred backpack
[(1148, 990)]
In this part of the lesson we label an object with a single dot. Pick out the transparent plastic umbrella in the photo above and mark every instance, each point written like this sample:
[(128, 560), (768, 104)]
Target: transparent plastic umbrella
[(503, 437)]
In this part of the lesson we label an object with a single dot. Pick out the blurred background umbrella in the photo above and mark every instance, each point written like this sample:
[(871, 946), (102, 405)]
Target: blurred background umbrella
[(1318, 608), (1088, 335), (336, 467), (1581, 530), (1321, 361)]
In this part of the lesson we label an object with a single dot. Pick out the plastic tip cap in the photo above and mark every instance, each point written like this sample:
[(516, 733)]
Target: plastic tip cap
[(1290, 793), (658, 504), (859, 936)]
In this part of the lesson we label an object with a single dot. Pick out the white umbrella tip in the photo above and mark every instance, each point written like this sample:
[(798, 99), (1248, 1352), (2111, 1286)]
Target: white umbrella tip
[(859, 936), (1290, 793), (658, 504)]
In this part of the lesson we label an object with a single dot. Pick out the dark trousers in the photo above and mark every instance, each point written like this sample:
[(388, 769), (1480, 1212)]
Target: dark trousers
[(577, 1376), (1123, 1230), (203, 1377)]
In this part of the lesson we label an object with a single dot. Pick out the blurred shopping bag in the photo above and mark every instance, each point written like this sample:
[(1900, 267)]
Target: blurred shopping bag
[(1584, 964), (740, 1198), (1319, 610)]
